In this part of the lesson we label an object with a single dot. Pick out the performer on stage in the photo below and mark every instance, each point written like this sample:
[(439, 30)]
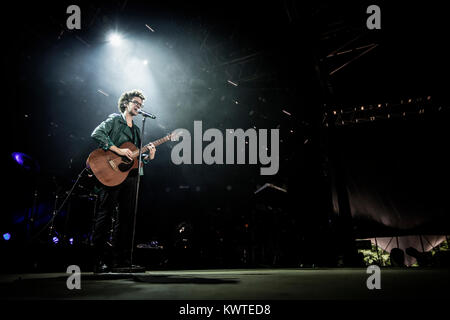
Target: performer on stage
[(118, 202)]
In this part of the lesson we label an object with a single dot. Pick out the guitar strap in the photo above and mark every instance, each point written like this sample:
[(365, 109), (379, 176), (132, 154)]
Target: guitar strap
[(136, 137), (133, 129)]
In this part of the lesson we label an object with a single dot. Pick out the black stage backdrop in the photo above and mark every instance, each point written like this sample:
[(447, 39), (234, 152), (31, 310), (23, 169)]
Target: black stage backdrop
[(392, 169)]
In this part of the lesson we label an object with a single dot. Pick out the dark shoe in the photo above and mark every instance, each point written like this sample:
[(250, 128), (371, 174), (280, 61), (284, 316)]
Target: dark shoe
[(101, 268)]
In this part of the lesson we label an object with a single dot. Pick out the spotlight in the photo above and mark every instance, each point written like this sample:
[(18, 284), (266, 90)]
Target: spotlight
[(20, 158), (25, 161), (6, 236), (55, 240), (115, 39), (145, 62), (71, 241)]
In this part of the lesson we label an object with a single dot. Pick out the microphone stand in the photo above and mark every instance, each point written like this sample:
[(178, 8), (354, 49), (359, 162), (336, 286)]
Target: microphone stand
[(137, 192)]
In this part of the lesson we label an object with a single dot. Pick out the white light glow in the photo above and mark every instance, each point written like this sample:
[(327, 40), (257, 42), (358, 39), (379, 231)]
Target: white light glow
[(115, 39)]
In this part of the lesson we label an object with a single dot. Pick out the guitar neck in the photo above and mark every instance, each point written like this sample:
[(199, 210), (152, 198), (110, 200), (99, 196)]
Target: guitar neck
[(155, 143)]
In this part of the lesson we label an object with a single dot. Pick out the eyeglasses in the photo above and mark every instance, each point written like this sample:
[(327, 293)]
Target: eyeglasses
[(137, 103)]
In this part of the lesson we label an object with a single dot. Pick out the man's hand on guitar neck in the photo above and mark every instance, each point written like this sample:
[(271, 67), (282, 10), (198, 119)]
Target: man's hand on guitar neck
[(152, 149), (122, 152)]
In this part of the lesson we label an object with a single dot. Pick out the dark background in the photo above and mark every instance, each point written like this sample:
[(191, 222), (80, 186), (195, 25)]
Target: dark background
[(348, 175)]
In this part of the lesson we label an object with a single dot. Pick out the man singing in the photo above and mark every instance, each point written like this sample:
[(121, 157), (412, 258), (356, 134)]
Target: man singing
[(118, 202)]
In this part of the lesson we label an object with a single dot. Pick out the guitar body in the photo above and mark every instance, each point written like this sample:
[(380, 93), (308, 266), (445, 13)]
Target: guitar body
[(110, 168)]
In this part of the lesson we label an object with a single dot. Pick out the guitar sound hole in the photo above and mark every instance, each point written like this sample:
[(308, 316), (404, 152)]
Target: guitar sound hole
[(126, 164), (126, 160)]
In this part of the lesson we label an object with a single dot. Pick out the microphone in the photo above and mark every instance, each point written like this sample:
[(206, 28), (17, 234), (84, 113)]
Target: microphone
[(146, 114)]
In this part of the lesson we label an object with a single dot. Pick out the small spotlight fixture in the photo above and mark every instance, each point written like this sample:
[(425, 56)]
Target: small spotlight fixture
[(149, 28)]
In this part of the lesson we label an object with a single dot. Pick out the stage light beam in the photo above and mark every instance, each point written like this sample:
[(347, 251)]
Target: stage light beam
[(115, 39)]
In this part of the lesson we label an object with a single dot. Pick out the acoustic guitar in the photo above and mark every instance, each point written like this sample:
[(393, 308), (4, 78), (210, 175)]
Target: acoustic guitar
[(111, 169)]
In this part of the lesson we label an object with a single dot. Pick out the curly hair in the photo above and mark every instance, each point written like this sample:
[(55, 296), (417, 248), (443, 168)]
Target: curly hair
[(126, 97)]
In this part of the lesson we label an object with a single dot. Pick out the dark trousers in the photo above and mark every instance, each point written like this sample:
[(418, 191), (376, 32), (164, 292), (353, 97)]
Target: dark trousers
[(114, 221)]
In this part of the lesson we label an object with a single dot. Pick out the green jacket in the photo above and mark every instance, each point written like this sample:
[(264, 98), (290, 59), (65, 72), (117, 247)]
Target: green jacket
[(115, 131)]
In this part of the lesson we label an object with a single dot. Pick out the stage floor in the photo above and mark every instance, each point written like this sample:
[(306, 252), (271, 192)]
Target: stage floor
[(248, 284)]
